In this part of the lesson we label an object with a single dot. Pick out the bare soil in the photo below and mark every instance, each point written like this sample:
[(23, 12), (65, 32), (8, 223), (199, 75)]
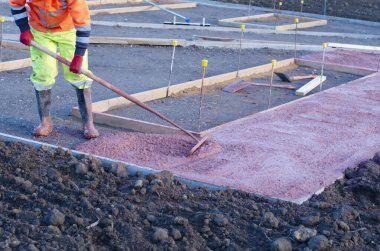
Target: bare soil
[(51, 200), (357, 9)]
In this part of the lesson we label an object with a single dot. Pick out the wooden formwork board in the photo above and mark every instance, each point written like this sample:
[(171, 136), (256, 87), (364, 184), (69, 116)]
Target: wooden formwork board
[(15, 64), (335, 67), (137, 41), (304, 22), (311, 85), (103, 2), (14, 44), (101, 107), (142, 8)]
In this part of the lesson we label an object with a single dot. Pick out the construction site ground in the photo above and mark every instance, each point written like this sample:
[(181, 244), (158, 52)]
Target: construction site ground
[(222, 107), (106, 209)]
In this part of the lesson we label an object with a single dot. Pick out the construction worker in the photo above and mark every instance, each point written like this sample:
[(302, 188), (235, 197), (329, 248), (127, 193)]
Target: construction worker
[(62, 24)]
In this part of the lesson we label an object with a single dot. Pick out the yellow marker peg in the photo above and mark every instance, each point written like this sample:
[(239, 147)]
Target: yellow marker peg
[(175, 43), (204, 63), (242, 27), (296, 20), (279, 3), (324, 45), (274, 62), (302, 2), (2, 19)]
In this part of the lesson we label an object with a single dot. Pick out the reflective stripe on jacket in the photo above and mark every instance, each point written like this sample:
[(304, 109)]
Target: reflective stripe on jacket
[(54, 16)]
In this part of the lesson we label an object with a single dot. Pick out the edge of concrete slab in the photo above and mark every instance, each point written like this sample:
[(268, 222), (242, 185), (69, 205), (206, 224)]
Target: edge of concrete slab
[(133, 169)]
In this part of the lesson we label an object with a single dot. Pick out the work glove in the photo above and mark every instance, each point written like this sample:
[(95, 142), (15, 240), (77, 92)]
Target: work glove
[(76, 64), (26, 37)]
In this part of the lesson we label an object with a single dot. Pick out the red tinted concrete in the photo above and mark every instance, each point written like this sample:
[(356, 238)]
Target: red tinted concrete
[(352, 59), (289, 152)]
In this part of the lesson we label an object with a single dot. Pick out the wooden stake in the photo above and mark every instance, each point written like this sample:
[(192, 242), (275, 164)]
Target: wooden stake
[(274, 62), (249, 7), (1, 41), (241, 41), (204, 66), (324, 45), (296, 20), (171, 67)]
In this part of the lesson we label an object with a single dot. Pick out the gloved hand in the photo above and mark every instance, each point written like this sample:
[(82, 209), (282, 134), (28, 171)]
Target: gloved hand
[(26, 37), (76, 64)]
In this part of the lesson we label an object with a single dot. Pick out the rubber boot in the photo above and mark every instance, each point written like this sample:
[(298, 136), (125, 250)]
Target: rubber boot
[(44, 104), (85, 108)]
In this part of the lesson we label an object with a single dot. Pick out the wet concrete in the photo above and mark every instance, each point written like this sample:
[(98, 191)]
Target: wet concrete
[(289, 152), (353, 59)]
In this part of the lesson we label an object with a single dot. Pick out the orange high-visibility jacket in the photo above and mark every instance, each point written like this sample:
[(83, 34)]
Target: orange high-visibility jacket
[(55, 15)]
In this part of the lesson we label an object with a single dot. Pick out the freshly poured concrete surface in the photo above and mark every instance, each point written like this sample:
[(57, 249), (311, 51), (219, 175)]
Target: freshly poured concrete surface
[(354, 59), (289, 152)]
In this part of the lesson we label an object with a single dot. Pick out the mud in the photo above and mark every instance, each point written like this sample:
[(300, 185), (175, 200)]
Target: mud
[(53, 200), (220, 107)]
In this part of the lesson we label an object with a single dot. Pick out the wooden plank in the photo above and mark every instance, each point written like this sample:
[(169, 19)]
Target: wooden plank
[(114, 103), (354, 47), (142, 8), (136, 41), (304, 90), (15, 64), (335, 67), (129, 124), (209, 38), (249, 18), (241, 84), (247, 25), (235, 86), (305, 22), (102, 2), (282, 86), (302, 25)]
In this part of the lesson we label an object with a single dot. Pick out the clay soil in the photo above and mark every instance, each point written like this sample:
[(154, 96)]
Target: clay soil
[(51, 200), (220, 107)]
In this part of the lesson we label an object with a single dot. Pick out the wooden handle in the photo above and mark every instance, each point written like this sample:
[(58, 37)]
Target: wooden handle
[(112, 88)]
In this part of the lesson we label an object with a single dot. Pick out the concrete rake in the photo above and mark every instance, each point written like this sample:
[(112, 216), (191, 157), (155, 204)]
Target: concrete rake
[(200, 141)]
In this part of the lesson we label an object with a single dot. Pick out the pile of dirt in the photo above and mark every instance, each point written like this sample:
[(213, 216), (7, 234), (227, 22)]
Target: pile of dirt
[(51, 200)]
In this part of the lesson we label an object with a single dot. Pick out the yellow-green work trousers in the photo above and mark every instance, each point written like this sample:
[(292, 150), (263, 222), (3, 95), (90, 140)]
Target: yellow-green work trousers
[(45, 68)]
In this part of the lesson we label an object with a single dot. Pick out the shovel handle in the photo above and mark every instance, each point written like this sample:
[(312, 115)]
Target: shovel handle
[(112, 88)]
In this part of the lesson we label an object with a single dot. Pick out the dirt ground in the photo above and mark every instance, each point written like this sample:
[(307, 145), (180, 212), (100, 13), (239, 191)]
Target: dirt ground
[(365, 10), (220, 107), (51, 200)]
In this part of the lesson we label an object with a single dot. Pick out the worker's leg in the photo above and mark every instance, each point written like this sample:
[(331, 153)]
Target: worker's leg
[(81, 83), (85, 108), (45, 70)]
